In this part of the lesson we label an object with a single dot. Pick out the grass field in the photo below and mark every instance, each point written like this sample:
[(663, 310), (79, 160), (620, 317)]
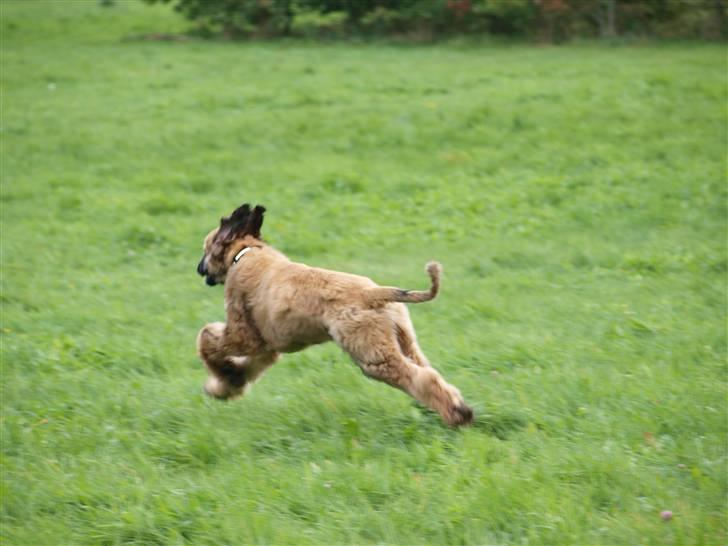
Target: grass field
[(576, 197)]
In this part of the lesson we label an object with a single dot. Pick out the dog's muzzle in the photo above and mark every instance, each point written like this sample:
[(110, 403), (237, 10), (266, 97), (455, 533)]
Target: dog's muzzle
[(202, 272)]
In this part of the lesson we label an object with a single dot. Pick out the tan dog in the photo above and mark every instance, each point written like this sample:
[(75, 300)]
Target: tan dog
[(274, 306)]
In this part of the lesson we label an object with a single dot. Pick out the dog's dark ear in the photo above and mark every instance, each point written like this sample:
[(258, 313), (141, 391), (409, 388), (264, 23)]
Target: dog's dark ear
[(241, 213), (255, 221), (235, 224)]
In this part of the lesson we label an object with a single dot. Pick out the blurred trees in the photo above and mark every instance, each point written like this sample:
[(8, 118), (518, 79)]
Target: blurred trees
[(545, 20)]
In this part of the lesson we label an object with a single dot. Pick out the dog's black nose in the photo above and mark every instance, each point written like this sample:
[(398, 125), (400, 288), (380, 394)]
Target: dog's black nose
[(201, 269)]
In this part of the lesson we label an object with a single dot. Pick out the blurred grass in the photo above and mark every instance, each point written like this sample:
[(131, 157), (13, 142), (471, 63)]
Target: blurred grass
[(576, 197)]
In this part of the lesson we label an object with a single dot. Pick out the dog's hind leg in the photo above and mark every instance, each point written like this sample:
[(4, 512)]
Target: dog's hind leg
[(422, 383), (408, 344), (232, 365), (405, 334), (374, 348)]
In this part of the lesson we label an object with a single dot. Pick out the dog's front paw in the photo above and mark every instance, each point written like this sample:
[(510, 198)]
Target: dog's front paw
[(215, 388), (233, 373), (221, 389)]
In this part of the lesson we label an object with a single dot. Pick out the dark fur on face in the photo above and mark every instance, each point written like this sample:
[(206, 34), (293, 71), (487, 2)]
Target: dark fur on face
[(237, 231)]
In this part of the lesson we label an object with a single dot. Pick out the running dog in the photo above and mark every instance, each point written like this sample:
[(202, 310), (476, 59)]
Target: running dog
[(274, 305)]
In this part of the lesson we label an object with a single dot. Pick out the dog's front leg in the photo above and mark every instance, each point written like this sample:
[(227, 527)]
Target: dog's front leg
[(233, 362)]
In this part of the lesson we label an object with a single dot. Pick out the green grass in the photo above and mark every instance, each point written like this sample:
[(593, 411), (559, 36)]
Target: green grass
[(576, 197)]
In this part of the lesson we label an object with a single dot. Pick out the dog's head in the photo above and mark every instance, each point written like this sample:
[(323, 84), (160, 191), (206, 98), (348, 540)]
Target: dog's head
[(237, 231)]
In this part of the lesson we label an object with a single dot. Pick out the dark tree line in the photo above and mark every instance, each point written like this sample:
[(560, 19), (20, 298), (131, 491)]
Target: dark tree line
[(545, 20)]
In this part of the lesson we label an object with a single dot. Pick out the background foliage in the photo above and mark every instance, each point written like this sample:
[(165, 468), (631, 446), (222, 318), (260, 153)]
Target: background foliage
[(575, 195), (545, 20)]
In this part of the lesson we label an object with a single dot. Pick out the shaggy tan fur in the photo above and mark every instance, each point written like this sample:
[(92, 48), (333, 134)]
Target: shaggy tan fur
[(274, 306)]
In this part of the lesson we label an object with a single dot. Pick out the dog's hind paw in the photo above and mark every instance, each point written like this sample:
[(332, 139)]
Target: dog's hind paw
[(460, 415)]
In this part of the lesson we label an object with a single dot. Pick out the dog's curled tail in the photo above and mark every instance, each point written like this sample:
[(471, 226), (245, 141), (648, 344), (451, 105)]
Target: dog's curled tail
[(385, 294)]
